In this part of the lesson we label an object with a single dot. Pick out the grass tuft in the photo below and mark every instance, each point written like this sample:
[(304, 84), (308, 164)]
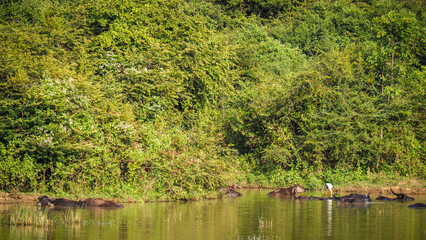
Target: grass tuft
[(23, 215), (72, 215)]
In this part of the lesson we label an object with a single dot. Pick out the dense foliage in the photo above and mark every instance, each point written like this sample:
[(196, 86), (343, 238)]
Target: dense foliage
[(173, 99)]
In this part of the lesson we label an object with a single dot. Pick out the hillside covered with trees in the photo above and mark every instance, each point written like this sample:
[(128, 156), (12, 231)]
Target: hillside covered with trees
[(172, 99)]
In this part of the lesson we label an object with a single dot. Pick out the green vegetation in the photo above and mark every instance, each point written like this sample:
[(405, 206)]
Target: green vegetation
[(160, 99), (72, 216), (24, 215)]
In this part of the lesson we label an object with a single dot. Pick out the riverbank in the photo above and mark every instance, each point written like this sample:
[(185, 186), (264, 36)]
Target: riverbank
[(407, 186), (7, 198), (413, 187)]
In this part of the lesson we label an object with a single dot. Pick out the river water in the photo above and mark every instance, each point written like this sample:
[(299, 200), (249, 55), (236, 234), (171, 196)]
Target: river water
[(252, 216)]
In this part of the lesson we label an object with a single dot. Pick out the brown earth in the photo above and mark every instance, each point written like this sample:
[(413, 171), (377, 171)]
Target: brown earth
[(408, 188), (17, 197), (386, 191), (6, 198)]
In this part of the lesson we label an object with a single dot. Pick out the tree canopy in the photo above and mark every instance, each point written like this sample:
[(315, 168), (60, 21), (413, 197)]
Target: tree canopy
[(173, 99)]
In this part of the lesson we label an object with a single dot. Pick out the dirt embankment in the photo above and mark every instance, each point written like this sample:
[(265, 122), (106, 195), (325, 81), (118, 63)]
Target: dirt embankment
[(386, 191), (409, 189), (29, 198), (18, 197), (408, 186)]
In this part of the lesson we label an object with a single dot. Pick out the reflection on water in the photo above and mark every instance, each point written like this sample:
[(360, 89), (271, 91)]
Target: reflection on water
[(329, 205), (252, 216)]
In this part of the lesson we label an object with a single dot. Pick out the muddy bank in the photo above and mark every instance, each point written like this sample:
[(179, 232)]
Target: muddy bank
[(408, 186), (18, 197), (375, 190), (6, 198), (385, 191)]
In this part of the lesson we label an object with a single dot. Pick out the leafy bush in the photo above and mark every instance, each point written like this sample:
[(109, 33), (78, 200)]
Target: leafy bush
[(173, 99)]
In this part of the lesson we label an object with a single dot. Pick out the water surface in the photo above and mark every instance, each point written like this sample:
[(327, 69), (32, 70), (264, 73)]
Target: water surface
[(252, 216)]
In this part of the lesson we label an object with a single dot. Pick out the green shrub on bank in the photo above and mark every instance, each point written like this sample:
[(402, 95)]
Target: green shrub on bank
[(173, 99), (341, 110)]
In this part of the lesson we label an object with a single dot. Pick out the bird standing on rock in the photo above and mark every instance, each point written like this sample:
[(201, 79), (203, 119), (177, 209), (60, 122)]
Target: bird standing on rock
[(329, 187)]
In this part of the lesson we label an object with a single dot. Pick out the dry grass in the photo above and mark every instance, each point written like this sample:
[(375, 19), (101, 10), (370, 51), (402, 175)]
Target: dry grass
[(265, 224), (72, 215), (23, 215)]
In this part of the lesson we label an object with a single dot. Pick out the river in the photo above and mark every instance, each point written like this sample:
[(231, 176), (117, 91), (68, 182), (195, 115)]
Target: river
[(252, 216)]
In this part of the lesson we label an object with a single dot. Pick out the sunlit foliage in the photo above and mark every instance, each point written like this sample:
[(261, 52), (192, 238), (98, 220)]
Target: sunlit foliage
[(174, 99)]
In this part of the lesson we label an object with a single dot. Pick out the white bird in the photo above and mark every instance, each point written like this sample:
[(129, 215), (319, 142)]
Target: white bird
[(329, 187)]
